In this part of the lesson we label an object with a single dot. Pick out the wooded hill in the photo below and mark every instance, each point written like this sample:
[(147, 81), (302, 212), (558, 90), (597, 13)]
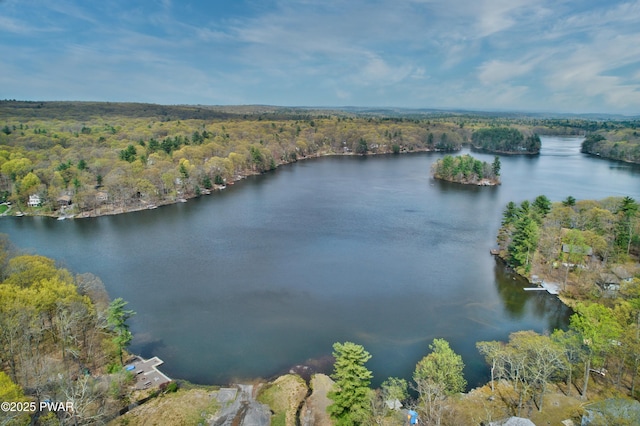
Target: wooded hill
[(110, 158), (92, 158)]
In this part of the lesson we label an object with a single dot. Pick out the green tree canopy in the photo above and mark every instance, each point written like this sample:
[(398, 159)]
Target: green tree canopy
[(351, 392), (438, 375), (117, 317)]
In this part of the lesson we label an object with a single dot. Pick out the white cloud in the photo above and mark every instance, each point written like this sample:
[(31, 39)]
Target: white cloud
[(494, 71)]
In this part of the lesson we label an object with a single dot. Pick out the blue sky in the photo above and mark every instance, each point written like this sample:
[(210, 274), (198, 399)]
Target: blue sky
[(529, 55)]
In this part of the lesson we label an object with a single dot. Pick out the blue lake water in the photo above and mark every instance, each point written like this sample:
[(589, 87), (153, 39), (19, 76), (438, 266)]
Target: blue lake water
[(271, 272)]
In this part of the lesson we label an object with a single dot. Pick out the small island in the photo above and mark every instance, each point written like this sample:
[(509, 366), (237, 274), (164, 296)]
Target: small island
[(505, 140), (467, 170)]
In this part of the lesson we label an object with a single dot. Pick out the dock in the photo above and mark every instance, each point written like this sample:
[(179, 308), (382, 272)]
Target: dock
[(551, 288), (146, 372)]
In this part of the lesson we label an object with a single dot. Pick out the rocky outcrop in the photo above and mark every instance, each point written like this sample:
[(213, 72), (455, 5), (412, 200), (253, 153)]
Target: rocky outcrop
[(314, 410)]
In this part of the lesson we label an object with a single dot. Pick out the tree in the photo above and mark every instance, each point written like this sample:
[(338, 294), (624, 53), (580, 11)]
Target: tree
[(437, 376), (362, 147), (542, 360), (492, 352), (351, 391), (571, 345), (542, 205), (29, 183), (11, 392), (394, 388), (117, 317), (523, 246), (128, 154), (495, 166), (598, 329), (627, 211)]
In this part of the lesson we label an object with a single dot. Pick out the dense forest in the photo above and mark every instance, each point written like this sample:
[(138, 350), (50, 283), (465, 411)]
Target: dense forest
[(505, 140), (468, 170)]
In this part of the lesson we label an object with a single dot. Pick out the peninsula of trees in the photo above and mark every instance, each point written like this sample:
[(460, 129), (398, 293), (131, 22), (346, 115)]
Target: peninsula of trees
[(467, 170), (578, 243), (616, 142), (505, 140), (590, 250)]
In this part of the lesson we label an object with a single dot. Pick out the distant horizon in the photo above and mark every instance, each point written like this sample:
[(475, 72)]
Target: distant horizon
[(477, 55), (347, 107)]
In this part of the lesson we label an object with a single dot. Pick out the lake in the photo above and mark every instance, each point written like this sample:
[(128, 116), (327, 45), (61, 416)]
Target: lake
[(272, 271)]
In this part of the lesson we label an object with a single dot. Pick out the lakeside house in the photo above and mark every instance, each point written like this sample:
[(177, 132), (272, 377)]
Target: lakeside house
[(513, 421), (608, 281), (571, 253), (102, 197), (575, 249), (612, 280), (34, 201), (64, 200)]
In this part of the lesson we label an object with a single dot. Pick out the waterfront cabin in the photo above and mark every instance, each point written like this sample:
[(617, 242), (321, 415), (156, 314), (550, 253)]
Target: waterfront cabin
[(64, 201), (571, 250), (34, 201)]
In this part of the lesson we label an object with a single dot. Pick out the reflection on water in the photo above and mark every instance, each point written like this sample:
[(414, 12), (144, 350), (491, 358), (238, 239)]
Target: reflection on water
[(518, 302), (510, 288)]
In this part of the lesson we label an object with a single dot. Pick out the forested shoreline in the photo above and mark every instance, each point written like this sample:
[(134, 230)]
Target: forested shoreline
[(89, 158)]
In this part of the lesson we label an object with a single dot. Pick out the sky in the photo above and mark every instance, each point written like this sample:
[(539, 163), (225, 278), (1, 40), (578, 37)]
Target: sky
[(576, 56)]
